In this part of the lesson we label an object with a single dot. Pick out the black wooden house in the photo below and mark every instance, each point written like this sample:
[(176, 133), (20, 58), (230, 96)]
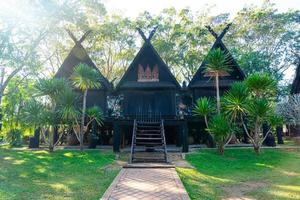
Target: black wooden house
[(77, 55), (202, 85), (149, 92)]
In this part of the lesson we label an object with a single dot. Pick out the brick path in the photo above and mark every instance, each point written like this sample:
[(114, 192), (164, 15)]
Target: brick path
[(146, 183)]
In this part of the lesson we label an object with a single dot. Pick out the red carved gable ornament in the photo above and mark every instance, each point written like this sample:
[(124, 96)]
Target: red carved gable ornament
[(148, 75)]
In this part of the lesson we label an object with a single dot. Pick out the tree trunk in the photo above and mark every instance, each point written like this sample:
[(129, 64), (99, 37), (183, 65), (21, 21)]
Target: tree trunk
[(82, 120), (206, 122), (256, 149), (218, 93), (51, 139), (221, 148), (1, 115)]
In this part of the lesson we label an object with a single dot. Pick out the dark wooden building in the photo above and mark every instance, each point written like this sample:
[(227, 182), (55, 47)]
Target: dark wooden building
[(149, 90), (77, 55), (148, 86), (204, 86)]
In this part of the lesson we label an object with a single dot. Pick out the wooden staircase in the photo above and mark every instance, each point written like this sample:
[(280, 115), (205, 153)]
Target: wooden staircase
[(148, 142)]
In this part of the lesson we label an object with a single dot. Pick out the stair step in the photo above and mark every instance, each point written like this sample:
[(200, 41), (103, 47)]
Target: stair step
[(145, 138), (148, 157), (141, 126), (148, 123), (148, 134), (156, 131), (148, 143), (149, 160), (155, 150), (155, 147)]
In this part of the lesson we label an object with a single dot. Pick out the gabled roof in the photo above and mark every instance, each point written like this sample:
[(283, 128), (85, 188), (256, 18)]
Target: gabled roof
[(236, 74), (79, 55), (147, 55)]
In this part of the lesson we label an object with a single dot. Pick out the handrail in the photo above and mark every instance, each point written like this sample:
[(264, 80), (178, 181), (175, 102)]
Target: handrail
[(164, 139), (132, 140)]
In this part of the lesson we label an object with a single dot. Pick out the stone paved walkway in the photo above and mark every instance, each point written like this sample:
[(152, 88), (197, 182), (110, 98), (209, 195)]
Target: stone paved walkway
[(146, 184)]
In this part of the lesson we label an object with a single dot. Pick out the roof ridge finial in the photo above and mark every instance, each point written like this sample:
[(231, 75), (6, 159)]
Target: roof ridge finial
[(151, 34), (218, 37), (75, 39)]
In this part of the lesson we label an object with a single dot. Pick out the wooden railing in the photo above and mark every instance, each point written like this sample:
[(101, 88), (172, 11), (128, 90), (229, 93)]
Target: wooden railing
[(164, 139), (133, 140)]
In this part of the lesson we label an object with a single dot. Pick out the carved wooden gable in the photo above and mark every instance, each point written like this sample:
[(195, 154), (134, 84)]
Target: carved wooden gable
[(148, 70), (149, 74)]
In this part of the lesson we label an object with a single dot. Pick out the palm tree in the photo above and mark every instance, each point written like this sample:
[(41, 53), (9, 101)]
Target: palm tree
[(253, 99), (220, 127), (51, 90), (84, 78), (216, 66)]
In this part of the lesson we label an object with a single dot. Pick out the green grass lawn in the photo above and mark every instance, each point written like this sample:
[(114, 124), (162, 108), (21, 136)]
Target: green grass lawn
[(275, 174), (60, 175)]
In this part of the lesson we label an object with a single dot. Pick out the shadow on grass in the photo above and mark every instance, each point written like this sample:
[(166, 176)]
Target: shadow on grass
[(59, 175), (214, 172)]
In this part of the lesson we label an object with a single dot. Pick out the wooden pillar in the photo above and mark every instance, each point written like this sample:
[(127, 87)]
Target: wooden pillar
[(279, 131), (55, 135), (117, 137), (178, 136), (184, 132), (93, 136), (35, 140)]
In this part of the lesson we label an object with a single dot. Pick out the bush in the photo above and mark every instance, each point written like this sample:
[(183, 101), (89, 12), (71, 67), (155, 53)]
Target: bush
[(14, 137)]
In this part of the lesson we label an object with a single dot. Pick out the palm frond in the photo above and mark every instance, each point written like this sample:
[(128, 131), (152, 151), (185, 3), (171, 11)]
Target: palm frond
[(203, 107), (220, 127), (51, 87), (95, 113), (85, 77), (261, 84), (217, 61), (234, 101)]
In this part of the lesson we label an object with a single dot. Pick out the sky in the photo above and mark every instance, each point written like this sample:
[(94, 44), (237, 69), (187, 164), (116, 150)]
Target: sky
[(131, 8)]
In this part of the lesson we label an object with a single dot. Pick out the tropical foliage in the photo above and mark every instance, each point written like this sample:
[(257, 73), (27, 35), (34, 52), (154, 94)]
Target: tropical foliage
[(250, 104), (220, 127), (85, 78), (203, 108), (217, 66)]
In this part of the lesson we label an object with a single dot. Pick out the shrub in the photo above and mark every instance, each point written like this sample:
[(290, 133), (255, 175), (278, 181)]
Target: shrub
[(220, 127), (14, 137)]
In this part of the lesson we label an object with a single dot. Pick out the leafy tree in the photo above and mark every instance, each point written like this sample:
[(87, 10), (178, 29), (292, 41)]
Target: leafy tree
[(260, 39), (84, 78), (289, 108), (113, 45)]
